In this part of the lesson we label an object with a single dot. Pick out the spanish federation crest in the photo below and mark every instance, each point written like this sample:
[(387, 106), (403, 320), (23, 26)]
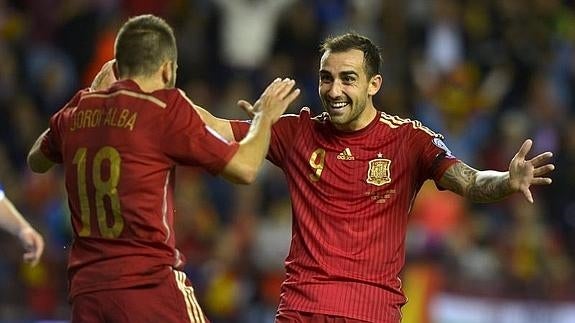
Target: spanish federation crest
[(379, 171)]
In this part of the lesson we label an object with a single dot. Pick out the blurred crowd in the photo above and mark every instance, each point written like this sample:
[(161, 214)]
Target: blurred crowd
[(486, 74)]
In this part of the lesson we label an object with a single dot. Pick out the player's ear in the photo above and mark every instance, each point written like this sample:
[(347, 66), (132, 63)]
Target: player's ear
[(374, 84), (167, 73)]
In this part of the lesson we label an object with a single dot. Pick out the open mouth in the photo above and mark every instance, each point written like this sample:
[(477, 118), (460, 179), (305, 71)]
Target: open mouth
[(338, 105)]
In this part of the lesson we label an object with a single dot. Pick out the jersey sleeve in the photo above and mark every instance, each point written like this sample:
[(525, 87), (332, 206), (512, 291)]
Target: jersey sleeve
[(435, 157), (51, 145), (189, 141), (282, 138), (51, 142)]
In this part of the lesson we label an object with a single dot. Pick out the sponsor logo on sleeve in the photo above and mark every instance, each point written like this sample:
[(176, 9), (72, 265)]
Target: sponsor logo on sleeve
[(441, 145)]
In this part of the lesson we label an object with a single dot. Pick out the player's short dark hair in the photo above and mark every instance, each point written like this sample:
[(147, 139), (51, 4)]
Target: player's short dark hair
[(348, 41), (143, 44)]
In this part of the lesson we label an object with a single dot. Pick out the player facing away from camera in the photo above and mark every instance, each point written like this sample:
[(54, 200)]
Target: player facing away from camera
[(119, 148), (12, 221), (353, 173)]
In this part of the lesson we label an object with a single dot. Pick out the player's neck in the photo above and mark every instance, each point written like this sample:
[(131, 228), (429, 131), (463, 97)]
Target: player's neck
[(149, 84)]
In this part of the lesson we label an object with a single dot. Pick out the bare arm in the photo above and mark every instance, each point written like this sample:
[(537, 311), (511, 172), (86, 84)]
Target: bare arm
[(37, 162), (221, 126), (489, 186), (12, 221), (478, 186)]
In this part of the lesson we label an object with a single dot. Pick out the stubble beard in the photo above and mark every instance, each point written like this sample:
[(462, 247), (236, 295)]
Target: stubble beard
[(353, 113)]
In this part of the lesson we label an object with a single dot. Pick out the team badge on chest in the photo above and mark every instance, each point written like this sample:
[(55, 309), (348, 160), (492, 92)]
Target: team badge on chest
[(378, 172)]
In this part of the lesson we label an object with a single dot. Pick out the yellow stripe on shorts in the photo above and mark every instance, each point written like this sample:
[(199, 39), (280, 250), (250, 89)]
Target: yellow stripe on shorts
[(193, 308)]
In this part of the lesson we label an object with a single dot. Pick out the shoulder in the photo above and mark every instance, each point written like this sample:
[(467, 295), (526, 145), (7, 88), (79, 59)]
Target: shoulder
[(77, 98), (306, 116), (70, 106), (304, 119), (173, 98), (407, 125), (157, 99)]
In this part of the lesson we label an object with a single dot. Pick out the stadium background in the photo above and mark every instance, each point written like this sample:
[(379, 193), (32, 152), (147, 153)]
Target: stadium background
[(487, 74)]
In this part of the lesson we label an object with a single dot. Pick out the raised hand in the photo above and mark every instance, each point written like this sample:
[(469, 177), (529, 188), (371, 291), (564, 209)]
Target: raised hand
[(105, 77), (274, 100), (523, 173)]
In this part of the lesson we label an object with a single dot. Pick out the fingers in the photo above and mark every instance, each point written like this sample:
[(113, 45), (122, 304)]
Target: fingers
[(525, 148), (278, 89), (527, 193), (115, 72), (292, 96), (247, 107), (545, 169), (271, 86), (541, 159), (109, 64), (276, 98), (105, 77), (285, 88), (281, 88), (541, 181)]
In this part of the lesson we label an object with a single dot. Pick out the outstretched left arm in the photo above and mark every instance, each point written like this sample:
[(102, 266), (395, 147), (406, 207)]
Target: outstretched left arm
[(489, 186)]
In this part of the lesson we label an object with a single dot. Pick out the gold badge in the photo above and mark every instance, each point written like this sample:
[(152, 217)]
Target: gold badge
[(378, 173)]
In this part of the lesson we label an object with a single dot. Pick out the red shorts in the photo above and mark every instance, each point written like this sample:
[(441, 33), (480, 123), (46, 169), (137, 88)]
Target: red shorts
[(171, 301), (304, 317)]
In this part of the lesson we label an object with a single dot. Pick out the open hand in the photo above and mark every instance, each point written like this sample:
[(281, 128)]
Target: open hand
[(274, 100), (523, 173)]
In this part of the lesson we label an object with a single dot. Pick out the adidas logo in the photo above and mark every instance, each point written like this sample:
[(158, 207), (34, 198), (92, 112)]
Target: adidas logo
[(345, 155)]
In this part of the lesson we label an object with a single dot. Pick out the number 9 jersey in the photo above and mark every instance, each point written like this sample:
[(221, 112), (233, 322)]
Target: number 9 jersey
[(119, 149), (351, 194)]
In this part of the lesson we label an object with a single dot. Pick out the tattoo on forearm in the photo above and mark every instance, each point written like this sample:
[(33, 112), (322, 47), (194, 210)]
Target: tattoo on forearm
[(478, 186)]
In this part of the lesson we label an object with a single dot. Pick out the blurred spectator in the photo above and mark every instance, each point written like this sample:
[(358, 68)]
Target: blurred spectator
[(247, 32)]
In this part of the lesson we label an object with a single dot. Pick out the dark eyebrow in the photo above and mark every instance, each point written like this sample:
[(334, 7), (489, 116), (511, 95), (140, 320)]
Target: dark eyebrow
[(344, 73), (348, 73)]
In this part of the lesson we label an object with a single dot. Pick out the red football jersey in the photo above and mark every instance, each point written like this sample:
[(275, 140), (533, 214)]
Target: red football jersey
[(351, 196), (119, 148)]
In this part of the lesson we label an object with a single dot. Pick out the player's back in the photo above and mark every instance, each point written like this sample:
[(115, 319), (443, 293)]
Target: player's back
[(114, 159), (119, 179)]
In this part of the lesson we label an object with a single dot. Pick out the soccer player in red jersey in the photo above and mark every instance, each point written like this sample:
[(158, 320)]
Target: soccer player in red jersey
[(119, 148), (12, 221), (353, 173)]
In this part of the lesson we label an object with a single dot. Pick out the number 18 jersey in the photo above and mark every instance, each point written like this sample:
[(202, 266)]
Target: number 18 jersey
[(119, 149)]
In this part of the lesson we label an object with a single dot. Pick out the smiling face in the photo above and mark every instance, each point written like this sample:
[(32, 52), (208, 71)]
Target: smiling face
[(345, 90)]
